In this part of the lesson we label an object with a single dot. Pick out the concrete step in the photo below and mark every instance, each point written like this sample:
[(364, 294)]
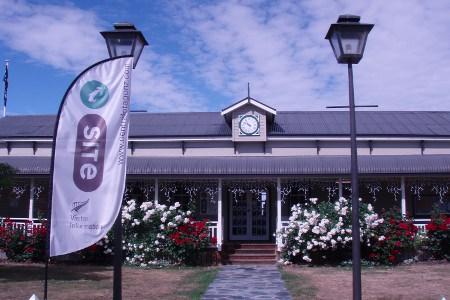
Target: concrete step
[(254, 251), (249, 253), (251, 262), (252, 256), (249, 246)]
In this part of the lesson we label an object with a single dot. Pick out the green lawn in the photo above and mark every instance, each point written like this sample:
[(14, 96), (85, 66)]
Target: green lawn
[(20, 281), (421, 281)]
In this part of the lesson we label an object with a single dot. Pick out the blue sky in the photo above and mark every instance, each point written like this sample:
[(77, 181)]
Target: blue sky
[(203, 53)]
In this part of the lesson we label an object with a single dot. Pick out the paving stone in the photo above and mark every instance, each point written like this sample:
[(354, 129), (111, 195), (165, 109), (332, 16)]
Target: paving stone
[(247, 282)]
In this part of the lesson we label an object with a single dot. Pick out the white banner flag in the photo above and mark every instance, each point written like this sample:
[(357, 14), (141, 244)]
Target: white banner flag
[(90, 156)]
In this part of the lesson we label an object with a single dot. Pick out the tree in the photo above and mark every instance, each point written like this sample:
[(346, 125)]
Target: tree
[(6, 174)]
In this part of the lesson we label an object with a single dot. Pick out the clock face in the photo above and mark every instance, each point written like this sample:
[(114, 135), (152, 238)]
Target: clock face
[(249, 125)]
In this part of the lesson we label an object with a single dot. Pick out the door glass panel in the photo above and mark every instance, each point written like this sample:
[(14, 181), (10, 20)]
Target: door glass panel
[(259, 214), (239, 215), (249, 216)]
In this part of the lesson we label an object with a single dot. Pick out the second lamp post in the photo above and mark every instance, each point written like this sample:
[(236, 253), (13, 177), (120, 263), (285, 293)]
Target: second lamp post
[(124, 40), (348, 40)]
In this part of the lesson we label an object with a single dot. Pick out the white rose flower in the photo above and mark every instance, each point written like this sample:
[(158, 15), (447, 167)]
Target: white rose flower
[(316, 230), (306, 258)]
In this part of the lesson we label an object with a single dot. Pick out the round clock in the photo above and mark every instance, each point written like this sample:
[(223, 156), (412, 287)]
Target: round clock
[(249, 125)]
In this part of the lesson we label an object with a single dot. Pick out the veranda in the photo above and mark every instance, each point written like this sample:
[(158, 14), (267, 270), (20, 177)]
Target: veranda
[(246, 209)]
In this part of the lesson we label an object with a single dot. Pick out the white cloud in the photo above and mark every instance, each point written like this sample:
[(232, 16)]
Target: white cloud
[(157, 90), (280, 48), (277, 46), (66, 38), (60, 36)]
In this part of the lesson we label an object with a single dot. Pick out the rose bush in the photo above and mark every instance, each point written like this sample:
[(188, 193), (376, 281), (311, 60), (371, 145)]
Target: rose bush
[(393, 241), (28, 243), (153, 234), (320, 232), (160, 234), (23, 243), (437, 242)]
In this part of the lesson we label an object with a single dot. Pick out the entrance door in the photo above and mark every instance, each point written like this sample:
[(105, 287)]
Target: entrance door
[(249, 216)]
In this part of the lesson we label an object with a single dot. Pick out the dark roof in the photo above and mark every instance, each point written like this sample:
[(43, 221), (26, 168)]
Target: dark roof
[(298, 123), (259, 165)]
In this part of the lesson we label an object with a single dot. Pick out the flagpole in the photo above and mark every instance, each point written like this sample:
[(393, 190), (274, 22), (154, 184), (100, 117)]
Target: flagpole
[(52, 169), (5, 81), (51, 206), (50, 191)]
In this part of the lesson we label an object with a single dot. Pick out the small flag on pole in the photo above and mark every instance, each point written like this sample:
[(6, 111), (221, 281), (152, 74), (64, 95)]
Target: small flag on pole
[(5, 94)]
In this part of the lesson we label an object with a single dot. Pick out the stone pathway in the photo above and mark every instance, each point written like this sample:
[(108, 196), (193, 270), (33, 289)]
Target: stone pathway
[(247, 282)]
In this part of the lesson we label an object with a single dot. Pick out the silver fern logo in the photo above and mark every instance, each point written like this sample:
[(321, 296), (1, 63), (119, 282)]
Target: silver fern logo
[(77, 206)]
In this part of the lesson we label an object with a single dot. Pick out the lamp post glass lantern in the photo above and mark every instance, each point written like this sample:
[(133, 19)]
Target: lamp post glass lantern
[(348, 40), (125, 40)]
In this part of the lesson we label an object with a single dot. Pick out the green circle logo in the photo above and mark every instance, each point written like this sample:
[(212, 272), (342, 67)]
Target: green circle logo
[(94, 94)]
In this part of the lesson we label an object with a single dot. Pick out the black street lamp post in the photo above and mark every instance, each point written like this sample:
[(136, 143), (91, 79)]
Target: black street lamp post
[(348, 40), (124, 40)]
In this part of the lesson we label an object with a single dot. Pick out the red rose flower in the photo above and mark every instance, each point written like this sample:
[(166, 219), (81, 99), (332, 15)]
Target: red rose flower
[(431, 226), (403, 226)]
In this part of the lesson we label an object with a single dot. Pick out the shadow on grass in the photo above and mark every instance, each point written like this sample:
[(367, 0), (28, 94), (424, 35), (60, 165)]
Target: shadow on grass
[(35, 272)]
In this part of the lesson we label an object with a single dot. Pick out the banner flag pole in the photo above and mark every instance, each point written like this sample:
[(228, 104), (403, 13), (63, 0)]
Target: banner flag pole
[(88, 163), (5, 82)]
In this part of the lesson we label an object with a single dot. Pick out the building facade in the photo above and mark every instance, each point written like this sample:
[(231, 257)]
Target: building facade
[(244, 167)]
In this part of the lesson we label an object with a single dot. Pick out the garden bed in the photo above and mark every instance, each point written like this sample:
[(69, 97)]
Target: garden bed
[(20, 281), (425, 280)]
